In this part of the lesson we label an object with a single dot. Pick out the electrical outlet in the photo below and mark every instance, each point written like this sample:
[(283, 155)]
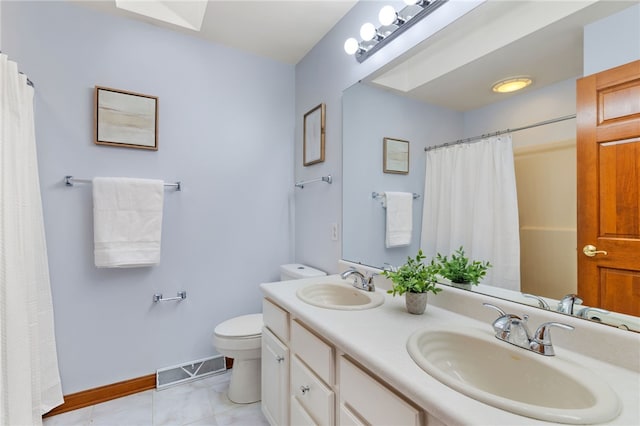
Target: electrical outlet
[(334, 231)]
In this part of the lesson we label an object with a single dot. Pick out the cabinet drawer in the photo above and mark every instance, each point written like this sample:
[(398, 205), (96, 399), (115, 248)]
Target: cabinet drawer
[(277, 319), (316, 398), (316, 354), (373, 401)]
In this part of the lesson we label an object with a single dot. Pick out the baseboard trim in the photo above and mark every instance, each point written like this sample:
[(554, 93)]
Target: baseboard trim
[(105, 393)]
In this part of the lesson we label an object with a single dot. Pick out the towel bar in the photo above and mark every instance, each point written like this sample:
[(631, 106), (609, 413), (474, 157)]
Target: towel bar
[(158, 297), (68, 181), (378, 195), (327, 179)]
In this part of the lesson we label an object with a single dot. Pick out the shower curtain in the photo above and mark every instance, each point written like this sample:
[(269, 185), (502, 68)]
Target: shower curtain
[(470, 200), (29, 377)]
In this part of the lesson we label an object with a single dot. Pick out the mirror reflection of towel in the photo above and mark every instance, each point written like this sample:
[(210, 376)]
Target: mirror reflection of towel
[(127, 222), (399, 218)]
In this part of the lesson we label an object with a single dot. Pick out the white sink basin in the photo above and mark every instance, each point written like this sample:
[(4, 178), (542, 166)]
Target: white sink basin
[(339, 296), (499, 374)]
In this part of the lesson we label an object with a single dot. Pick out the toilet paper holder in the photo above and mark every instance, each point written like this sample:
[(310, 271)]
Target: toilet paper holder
[(158, 297)]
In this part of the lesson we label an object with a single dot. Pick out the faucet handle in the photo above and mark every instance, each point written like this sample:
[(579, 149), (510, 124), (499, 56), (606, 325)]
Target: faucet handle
[(541, 302), (489, 305), (541, 341), (584, 312)]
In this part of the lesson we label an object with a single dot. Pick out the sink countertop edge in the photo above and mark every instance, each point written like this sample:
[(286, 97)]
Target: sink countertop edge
[(358, 334)]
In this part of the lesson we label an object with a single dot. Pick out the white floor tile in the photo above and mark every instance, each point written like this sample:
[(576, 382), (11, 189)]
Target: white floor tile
[(202, 402), (80, 417), (133, 410)]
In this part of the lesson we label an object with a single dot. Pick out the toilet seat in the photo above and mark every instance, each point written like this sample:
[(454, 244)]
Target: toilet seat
[(242, 327)]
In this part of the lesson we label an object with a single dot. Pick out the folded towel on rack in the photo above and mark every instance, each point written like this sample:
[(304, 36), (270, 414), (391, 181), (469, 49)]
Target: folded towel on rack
[(399, 218), (127, 222)]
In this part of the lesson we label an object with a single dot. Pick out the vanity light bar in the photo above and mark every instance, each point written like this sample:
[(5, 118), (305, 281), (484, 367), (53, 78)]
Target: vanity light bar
[(385, 33)]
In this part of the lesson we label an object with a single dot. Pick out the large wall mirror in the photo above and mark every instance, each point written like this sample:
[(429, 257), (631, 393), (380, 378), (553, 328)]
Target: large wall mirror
[(460, 104)]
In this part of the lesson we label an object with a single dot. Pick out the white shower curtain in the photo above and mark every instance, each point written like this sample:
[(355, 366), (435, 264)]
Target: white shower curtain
[(470, 200), (29, 377)]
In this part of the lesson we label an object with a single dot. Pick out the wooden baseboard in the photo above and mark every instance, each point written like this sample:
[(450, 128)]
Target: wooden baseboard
[(105, 393)]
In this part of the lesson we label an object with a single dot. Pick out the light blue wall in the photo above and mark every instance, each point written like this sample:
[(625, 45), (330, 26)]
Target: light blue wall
[(532, 106), (369, 115), (612, 41), (225, 130)]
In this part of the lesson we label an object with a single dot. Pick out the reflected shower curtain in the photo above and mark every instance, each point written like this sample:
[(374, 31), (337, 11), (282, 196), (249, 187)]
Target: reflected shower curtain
[(29, 377), (470, 200)]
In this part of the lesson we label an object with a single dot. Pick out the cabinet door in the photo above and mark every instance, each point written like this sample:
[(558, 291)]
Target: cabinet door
[(316, 398), (275, 379), (347, 418), (299, 417)]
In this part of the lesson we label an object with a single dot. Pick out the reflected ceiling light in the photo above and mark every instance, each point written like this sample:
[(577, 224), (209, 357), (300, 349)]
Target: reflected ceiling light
[(511, 84), (393, 23)]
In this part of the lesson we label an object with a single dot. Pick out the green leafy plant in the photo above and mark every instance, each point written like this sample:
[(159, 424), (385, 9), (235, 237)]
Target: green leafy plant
[(414, 277), (459, 269)]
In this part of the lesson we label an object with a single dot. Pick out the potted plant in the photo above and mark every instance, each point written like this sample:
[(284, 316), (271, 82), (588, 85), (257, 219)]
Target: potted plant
[(416, 279), (458, 269)]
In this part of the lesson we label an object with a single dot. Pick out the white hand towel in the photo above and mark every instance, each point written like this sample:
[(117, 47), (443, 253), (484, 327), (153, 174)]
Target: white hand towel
[(127, 222), (399, 218)]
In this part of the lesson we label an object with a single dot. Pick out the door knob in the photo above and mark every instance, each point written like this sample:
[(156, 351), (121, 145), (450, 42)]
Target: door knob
[(279, 358), (304, 389), (591, 251)]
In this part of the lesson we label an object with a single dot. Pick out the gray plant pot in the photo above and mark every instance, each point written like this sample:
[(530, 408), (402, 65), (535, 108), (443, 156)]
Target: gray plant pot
[(465, 286), (416, 302)]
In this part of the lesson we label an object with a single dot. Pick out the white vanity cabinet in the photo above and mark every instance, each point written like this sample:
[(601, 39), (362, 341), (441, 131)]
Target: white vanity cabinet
[(322, 385), (275, 364)]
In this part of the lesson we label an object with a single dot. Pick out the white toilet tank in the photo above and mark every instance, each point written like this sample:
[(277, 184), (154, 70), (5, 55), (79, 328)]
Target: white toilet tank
[(295, 271)]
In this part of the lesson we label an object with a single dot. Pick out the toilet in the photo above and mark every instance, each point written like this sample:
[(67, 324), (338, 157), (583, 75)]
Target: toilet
[(240, 338)]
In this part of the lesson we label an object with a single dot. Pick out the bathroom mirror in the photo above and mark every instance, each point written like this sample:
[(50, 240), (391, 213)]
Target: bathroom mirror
[(460, 105)]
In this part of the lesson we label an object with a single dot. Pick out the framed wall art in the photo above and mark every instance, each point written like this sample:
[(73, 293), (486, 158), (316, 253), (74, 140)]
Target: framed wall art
[(395, 156), (126, 119), (313, 136)]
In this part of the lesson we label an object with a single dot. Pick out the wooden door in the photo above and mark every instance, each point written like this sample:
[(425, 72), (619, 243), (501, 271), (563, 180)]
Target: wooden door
[(608, 170)]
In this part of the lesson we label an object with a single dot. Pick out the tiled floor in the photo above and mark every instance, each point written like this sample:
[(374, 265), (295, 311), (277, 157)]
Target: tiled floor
[(198, 403)]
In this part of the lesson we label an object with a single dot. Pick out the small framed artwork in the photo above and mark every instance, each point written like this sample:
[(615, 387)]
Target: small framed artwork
[(395, 156), (126, 119), (313, 136)]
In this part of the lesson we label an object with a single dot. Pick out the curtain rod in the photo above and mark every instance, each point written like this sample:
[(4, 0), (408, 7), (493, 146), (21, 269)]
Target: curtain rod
[(501, 132), (29, 82)]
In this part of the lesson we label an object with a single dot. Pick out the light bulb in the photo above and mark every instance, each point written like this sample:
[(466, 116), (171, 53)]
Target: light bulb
[(351, 46), (387, 15), (367, 31)]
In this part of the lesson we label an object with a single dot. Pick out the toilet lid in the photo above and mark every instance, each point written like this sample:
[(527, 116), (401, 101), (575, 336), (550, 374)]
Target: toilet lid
[(242, 326)]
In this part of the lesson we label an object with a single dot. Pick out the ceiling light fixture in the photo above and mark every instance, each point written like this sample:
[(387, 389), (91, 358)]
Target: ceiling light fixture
[(511, 84), (392, 24)]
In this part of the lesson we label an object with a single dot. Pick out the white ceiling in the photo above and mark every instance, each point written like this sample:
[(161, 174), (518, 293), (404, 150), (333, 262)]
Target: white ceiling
[(283, 30)]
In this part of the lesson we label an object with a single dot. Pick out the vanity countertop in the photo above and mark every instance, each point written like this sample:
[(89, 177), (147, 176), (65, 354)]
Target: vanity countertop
[(377, 339)]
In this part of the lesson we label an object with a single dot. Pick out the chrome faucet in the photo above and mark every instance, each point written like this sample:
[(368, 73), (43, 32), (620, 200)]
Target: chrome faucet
[(513, 329), (567, 303), (360, 281)]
